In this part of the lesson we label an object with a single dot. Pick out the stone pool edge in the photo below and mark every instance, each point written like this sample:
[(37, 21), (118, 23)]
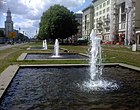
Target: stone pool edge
[(8, 74), (6, 77), (23, 56)]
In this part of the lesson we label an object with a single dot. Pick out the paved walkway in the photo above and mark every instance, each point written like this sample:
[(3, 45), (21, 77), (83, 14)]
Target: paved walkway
[(10, 46)]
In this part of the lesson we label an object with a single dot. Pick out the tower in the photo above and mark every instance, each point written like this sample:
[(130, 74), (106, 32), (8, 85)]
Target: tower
[(8, 23)]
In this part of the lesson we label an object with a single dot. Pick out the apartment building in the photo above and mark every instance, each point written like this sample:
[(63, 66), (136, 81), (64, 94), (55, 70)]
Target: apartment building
[(128, 21), (102, 19), (78, 17), (87, 21), (117, 20)]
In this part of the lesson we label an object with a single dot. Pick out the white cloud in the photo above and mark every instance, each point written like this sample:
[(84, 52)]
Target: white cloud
[(26, 13), (80, 11), (25, 24), (33, 9)]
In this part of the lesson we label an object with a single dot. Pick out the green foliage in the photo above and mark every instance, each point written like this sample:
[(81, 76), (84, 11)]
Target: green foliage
[(2, 33), (82, 41), (57, 22)]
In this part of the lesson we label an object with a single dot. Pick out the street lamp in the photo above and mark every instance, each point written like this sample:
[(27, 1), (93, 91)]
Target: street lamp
[(127, 10)]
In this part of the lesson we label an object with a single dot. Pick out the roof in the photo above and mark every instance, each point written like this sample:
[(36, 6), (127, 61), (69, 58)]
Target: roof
[(90, 6)]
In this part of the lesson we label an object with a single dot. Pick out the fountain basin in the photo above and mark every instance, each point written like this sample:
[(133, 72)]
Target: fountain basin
[(60, 87), (38, 48), (50, 56)]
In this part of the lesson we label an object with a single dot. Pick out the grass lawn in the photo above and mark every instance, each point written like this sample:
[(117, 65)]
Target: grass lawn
[(113, 54)]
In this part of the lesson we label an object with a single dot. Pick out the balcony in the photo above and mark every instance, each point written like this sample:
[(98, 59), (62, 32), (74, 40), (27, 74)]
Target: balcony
[(123, 13), (106, 20), (106, 26), (99, 22), (99, 27)]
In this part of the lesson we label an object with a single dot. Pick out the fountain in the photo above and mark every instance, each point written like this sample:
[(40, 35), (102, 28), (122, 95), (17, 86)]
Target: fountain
[(96, 82), (56, 49), (44, 44), (55, 87)]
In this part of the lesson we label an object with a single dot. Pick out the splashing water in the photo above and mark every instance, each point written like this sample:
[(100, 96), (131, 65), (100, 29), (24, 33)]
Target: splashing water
[(95, 57), (96, 82), (44, 45), (56, 49)]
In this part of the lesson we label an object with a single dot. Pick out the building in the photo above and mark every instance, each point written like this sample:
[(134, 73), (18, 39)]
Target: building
[(78, 17), (8, 23), (102, 19), (87, 21), (129, 20), (10, 34), (117, 20)]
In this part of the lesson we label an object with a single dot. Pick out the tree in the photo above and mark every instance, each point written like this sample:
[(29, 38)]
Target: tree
[(2, 33), (57, 22)]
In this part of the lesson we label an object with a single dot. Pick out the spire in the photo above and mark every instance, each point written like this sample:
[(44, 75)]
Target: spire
[(8, 11), (8, 23), (9, 17)]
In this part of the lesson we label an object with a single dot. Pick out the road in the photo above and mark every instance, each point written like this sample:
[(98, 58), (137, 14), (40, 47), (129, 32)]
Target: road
[(3, 47)]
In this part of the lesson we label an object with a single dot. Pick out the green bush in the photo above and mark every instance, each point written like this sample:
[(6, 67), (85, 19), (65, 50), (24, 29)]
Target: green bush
[(82, 41)]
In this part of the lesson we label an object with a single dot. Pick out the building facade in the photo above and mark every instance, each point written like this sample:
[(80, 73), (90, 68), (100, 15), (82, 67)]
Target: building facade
[(128, 21), (117, 20), (78, 17), (87, 21), (8, 23), (103, 23)]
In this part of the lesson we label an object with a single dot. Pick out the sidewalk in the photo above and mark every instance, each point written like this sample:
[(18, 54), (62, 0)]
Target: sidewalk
[(10, 46)]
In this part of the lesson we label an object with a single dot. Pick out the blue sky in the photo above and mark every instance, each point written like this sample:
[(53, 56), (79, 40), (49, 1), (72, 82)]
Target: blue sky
[(26, 13)]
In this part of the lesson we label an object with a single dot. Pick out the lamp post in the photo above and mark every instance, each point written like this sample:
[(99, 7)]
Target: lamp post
[(127, 10)]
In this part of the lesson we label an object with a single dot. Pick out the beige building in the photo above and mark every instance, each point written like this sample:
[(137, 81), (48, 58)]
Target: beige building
[(128, 20), (87, 21), (102, 19), (117, 20)]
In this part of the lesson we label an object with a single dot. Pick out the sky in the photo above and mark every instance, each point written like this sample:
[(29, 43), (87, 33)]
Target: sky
[(26, 14)]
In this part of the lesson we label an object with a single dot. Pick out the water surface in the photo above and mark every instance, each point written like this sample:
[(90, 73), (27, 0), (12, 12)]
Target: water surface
[(59, 89)]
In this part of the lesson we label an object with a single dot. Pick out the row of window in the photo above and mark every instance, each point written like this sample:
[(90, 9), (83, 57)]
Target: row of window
[(102, 18), (102, 11), (103, 5)]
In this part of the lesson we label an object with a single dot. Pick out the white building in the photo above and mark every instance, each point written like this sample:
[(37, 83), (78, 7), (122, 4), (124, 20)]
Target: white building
[(127, 21), (87, 21), (102, 19), (117, 20)]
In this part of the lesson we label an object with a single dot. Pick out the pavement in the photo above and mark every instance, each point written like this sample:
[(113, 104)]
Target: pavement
[(3, 47)]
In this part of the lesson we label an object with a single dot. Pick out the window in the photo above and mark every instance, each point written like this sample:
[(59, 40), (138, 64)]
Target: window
[(107, 15), (104, 11), (97, 20), (108, 2), (104, 4), (97, 8), (100, 12), (97, 14), (103, 17), (101, 6), (108, 9)]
